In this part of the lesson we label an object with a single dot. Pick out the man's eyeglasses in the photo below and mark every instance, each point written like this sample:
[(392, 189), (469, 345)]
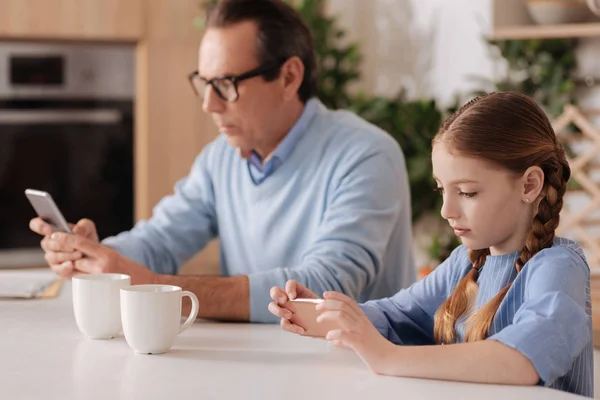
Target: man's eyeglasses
[(226, 87)]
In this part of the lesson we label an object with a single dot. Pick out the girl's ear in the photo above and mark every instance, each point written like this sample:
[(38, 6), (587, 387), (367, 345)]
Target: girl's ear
[(533, 183)]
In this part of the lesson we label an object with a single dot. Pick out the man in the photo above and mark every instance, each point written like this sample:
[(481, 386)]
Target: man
[(292, 190)]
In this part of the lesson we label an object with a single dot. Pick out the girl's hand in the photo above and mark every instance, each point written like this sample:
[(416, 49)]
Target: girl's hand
[(282, 309), (356, 331)]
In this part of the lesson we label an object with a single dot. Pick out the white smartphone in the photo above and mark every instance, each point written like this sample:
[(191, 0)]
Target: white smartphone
[(46, 209)]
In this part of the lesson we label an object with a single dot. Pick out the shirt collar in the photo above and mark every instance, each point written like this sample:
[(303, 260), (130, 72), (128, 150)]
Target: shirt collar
[(290, 140)]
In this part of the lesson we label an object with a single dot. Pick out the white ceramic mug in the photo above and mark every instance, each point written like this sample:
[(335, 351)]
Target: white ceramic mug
[(151, 316), (96, 303)]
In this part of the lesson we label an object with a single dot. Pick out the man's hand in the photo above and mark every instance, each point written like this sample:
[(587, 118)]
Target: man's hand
[(98, 259), (293, 290), (61, 258), (84, 227)]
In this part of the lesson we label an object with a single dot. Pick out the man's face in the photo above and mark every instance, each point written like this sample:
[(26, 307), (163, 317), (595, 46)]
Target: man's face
[(231, 51)]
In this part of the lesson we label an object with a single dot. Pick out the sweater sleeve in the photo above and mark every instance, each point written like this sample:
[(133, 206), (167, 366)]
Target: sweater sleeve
[(346, 253), (181, 224)]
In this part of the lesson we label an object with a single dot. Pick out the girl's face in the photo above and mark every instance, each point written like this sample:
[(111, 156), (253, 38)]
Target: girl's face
[(486, 205)]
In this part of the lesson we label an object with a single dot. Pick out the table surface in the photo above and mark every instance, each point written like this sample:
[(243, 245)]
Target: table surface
[(44, 356)]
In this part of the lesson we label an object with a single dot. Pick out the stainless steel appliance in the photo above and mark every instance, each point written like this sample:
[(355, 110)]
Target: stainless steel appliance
[(66, 127)]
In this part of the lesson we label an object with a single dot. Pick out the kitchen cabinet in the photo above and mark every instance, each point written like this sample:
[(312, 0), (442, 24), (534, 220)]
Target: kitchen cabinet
[(103, 20), (171, 127)]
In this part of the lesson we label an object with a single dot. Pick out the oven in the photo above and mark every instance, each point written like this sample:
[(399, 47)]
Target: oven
[(66, 127)]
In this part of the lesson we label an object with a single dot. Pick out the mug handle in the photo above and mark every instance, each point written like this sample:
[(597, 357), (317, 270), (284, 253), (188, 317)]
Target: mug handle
[(593, 6), (193, 314)]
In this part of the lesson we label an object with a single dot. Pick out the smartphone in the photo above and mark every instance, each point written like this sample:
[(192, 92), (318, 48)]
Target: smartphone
[(46, 209), (306, 316)]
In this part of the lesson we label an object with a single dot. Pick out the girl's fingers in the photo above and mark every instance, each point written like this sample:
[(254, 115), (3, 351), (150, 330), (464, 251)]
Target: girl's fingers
[(344, 299), (339, 344), (340, 318), (336, 335), (337, 305)]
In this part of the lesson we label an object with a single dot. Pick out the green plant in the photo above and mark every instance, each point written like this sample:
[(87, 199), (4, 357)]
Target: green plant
[(413, 124), (338, 64), (542, 69)]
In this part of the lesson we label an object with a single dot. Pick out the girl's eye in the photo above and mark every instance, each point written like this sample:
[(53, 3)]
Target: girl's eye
[(440, 190), (468, 195)]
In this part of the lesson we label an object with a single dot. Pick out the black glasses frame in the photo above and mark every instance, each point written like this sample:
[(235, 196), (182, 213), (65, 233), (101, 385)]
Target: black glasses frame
[(233, 79)]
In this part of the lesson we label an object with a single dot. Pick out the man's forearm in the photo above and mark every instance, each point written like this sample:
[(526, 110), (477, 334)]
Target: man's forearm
[(220, 298)]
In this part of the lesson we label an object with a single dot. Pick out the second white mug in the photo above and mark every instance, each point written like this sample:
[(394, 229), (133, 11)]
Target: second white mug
[(151, 316)]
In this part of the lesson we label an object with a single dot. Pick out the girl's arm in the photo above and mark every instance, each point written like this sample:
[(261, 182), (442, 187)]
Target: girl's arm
[(486, 361), (548, 332)]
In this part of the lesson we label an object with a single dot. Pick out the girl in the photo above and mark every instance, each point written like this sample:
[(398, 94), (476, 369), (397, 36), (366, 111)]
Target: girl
[(511, 305)]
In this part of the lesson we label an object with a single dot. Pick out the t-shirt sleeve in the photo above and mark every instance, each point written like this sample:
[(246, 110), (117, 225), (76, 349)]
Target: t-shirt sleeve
[(552, 326)]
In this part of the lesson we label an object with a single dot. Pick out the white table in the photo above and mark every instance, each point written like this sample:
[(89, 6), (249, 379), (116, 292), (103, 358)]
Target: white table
[(43, 356)]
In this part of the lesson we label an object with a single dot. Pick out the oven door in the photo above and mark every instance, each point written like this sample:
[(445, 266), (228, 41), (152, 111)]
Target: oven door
[(82, 157)]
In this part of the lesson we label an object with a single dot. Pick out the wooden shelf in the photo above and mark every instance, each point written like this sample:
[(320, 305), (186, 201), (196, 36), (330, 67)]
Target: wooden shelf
[(511, 20), (588, 29)]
